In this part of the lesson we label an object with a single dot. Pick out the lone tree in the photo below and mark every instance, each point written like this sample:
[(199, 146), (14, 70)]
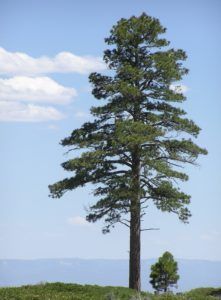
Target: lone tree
[(139, 136), (164, 273)]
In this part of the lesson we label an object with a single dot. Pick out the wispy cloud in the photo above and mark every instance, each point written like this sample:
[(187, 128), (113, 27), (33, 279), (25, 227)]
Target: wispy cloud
[(210, 236), (38, 89), (82, 114), (53, 127), (19, 63), (19, 112), (78, 220)]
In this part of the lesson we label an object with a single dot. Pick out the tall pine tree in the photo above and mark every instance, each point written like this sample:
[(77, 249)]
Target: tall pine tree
[(139, 137)]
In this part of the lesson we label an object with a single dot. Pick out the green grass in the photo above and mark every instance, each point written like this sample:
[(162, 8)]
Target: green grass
[(204, 293), (62, 291)]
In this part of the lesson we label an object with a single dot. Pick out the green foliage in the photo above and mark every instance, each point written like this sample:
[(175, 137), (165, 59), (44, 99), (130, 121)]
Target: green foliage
[(164, 273), (61, 291), (139, 138), (204, 293)]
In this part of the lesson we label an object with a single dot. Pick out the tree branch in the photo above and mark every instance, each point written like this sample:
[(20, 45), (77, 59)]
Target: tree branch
[(145, 229)]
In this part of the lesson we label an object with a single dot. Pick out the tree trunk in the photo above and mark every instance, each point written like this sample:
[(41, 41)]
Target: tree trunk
[(134, 263)]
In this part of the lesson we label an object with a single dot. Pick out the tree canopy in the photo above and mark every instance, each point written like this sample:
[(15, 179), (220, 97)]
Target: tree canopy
[(164, 273)]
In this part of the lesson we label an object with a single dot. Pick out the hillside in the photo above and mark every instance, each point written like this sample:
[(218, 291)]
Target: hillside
[(104, 272), (58, 291)]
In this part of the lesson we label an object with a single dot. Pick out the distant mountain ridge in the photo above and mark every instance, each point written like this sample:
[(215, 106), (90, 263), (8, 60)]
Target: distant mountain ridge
[(193, 273)]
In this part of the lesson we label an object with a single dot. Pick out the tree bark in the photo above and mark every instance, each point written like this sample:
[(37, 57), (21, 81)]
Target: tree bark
[(134, 263)]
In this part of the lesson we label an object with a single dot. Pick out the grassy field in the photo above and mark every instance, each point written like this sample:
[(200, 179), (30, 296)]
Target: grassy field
[(61, 291)]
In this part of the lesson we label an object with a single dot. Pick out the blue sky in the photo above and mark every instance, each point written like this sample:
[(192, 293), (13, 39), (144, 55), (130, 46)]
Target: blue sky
[(44, 94)]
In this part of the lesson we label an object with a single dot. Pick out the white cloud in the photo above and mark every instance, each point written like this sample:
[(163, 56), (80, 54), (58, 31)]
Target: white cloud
[(18, 112), (82, 114), (78, 220), (38, 89), (21, 95), (18, 63), (179, 88)]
